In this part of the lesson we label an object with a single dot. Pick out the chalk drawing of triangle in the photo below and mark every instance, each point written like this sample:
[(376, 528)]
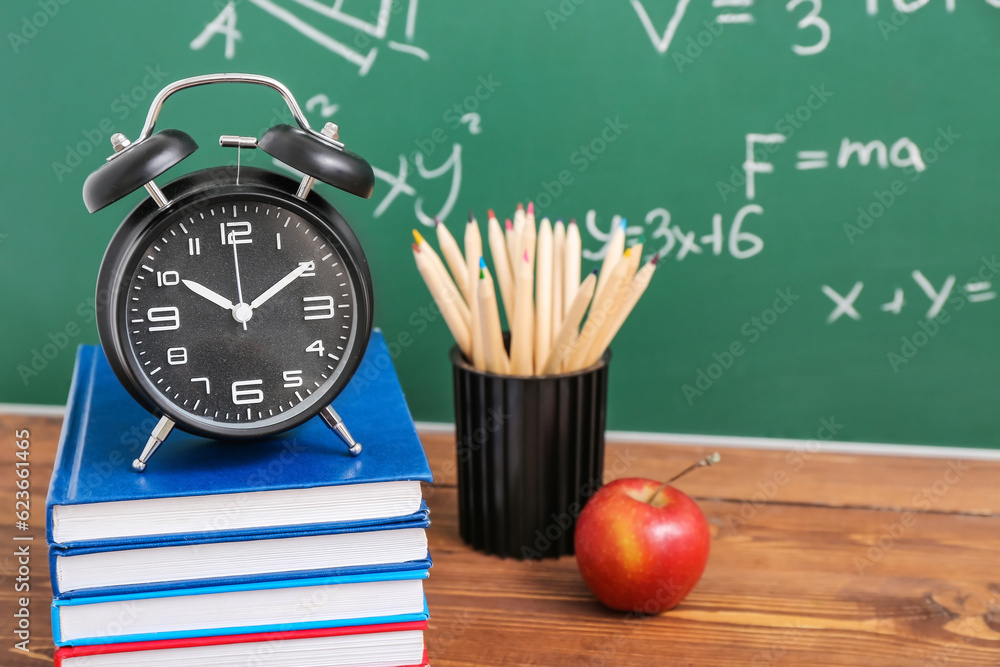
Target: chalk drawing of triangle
[(661, 42)]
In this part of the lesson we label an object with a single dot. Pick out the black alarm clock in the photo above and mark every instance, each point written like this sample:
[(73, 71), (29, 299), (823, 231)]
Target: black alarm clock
[(233, 302)]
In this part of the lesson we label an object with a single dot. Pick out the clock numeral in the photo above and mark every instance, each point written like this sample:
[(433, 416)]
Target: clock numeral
[(245, 394), (317, 347), (208, 385), (167, 278), (310, 271), (237, 230), (324, 307), (165, 314), (177, 356), (194, 246), (292, 378)]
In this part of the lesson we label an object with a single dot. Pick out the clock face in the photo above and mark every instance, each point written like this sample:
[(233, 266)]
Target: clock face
[(239, 312)]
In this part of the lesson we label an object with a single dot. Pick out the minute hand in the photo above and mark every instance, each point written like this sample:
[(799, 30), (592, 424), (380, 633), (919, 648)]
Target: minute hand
[(278, 286)]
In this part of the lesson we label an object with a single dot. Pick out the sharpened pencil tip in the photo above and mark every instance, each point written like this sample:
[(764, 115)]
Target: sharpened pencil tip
[(655, 260), (572, 221), (531, 208), (520, 206), (490, 213), (509, 225), (623, 224), (437, 221), (594, 272), (641, 240), (482, 263), (482, 274), (416, 248), (628, 252), (417, 237), (526, 256), (558, 221), (472, 216)]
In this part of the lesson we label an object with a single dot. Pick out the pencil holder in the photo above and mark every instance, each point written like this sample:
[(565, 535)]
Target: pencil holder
[(530, 453)]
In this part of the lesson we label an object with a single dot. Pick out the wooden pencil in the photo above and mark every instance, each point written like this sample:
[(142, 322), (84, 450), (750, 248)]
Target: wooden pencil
[(558, 258), (543, 294), (473, 251), (635, 289), (445, 300), (510, 234), (523, 333), (571, 265), (563, 342), (612, 253), (614, 295), (600, 309), (448, 284), (493, 349), (515, 248), (501, 263), (456, 261)]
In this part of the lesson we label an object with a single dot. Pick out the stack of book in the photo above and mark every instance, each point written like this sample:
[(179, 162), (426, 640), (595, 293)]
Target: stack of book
[(282, 551)]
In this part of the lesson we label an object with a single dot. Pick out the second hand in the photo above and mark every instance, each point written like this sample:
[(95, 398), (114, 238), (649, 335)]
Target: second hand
[(236, 261)]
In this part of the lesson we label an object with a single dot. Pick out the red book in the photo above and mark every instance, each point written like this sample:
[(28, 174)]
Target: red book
[(325, 647)]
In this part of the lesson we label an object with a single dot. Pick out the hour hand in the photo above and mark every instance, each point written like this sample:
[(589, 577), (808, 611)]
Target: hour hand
[(206, 293)]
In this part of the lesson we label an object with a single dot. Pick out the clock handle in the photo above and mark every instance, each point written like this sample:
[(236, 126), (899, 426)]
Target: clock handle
[(334, 421), (205, 79), (159, 434)]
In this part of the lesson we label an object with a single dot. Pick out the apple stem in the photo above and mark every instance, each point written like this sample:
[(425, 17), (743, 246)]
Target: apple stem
[(709, 460)]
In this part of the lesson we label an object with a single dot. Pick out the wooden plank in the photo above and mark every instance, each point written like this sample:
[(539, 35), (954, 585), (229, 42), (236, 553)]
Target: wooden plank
[(823, 572)]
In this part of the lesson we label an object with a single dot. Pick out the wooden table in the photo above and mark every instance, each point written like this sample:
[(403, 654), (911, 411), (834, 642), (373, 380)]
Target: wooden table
[(817, 559)]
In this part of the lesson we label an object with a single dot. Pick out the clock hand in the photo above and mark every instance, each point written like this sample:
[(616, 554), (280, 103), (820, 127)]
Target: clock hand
[(240, 313), (280, 285), (203, 291)]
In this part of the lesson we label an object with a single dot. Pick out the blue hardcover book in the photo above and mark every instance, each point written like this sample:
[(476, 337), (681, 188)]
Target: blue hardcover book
[(278, 606), (197, 488)]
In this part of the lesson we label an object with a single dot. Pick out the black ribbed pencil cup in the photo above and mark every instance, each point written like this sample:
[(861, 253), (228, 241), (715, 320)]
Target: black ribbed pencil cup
[(530, 453)]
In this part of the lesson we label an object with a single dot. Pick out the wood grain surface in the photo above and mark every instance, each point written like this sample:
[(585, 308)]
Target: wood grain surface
[(817, 559)]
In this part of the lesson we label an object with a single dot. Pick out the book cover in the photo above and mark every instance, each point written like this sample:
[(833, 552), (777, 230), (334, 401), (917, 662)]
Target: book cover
[(244, 643), (134, 622), (105, 429)]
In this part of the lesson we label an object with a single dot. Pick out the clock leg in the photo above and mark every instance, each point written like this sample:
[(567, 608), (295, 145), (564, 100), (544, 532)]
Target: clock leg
[(334, 421), (159, 434)]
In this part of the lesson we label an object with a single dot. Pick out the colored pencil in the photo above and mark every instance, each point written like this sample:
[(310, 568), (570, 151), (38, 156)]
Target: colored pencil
[(570, 327), (473, 251), (445, 299), (523, 334), (456, 262), (493, 349), (571, 267), (501, 263), (558, 259), (612, 253), (600, 309), (448, 284), (543, 294), (635, 290)]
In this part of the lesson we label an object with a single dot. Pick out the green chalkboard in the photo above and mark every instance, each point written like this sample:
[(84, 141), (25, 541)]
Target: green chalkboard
[(822, 178)]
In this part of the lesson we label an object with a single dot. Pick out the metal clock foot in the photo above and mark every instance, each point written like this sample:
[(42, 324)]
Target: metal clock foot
[(159, 434), (334, 421)]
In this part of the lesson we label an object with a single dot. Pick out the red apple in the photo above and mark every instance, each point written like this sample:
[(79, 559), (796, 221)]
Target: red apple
[(637, 552)]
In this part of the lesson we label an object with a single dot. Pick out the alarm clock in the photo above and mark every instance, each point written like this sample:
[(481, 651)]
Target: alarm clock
[(233, 302)]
